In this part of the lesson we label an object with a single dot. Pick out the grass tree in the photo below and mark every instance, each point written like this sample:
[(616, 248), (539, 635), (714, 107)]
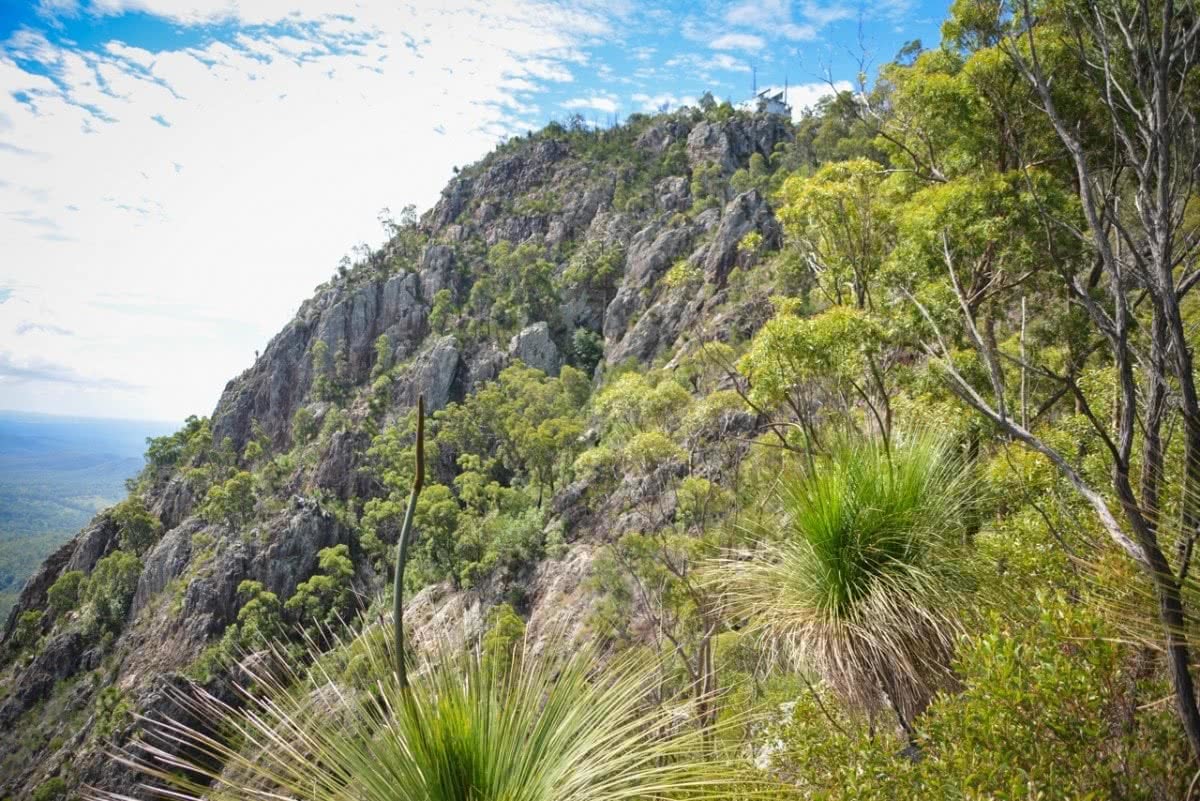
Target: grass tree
[(466, 727), (862, 582)]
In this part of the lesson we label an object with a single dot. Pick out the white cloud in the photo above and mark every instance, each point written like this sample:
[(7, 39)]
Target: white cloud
[(606, 103), (725, 61), (773, 18), (822, 15), (805, 95), (172, 253), (663, 101), (738, 41)]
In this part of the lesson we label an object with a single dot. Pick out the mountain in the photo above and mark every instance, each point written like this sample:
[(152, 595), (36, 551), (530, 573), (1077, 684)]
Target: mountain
[(576, 253), (879, 428), (55, 474)]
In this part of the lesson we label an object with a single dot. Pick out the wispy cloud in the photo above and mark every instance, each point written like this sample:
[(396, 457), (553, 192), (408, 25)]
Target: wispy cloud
[(21, 370), (44, 328), (739, 41), (663, 101), (606, 103)]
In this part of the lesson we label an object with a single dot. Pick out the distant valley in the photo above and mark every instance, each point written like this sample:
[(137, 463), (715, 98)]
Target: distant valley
[(55, 474)]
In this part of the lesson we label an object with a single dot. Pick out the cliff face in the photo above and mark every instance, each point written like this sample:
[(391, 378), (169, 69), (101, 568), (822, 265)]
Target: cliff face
[(658, 192)]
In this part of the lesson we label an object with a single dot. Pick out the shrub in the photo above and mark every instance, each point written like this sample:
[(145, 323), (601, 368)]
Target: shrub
[(113, 712), (139, 529), (303, 426), (64, 593), (51, 790), (587, 349), (110, 589), (503, 642), (327, 596), (231, 502), (27, 631)]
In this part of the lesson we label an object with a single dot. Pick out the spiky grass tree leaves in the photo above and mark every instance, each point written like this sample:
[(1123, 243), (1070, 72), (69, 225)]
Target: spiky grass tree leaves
[(864, 579), (537, 728)]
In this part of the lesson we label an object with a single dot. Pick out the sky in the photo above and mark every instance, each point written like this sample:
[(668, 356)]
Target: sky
[(176, 176)]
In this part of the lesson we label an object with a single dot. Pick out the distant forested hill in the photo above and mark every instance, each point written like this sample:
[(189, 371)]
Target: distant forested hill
[(55, 473)]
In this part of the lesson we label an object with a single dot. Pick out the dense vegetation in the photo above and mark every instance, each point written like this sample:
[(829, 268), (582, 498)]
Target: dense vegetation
[(922, 527)]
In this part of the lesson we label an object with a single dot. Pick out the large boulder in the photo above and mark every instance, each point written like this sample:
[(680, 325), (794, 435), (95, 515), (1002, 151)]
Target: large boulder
[(436, 373), (534, 346)]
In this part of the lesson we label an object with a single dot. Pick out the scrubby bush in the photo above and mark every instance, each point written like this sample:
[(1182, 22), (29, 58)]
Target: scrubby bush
[(139, 529), (109, 590), (64, 594)]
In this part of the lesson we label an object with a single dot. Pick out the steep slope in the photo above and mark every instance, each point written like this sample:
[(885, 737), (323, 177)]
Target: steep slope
[(566, 250)]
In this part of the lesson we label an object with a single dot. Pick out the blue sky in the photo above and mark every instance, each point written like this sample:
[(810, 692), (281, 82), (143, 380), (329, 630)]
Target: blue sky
[(177, 175)]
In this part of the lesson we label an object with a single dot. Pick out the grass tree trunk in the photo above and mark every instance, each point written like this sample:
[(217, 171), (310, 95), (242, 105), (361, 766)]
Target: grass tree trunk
[(402, 546)]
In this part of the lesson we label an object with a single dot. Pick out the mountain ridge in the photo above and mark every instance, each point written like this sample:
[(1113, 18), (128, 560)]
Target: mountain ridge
[(622, 207)]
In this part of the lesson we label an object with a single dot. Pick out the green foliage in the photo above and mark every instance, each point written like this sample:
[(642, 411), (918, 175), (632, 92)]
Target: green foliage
[(139, 529), (756, 176), (383, 356), (530, 423), (840, 219), (683, 274), (504, 641), (708, 186), (259, 621), (164, 454), (499, 542), (327, 597), (405, 238), (27, 632), (52, 789), (232, 502), (587, 350), (109, 591), (441, 310), (323, 386), (639, 403), (865, 580), (593, 269), (65, 593), (649, 450), (114, 712), (790, 354), (303, 426), (1048, 709), (518, 287)]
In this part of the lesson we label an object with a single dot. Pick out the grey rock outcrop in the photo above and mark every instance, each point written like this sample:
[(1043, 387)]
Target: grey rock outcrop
[(534, 346), (95, 542), (660, 136), (436, 372), (673, 193), (745, 213), (59, 659), (651, 253), (437, 271), (730, 144), (167, 560)]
